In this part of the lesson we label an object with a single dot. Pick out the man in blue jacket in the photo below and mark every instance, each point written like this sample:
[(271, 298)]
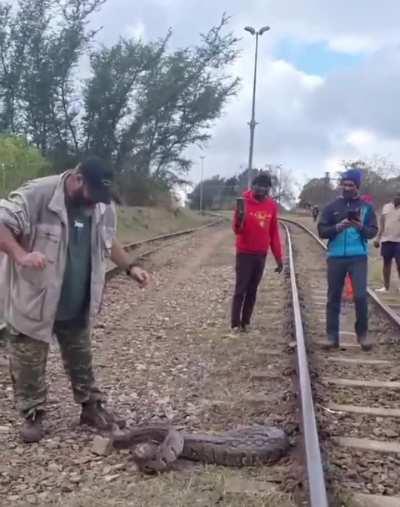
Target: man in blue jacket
[(348, 223)]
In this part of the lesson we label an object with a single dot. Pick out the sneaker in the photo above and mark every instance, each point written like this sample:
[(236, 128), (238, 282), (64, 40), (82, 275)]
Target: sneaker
[(365, 344), (32, 429), (382, 290), (95, 415), (233, 332), (331, 344), (366, 347)]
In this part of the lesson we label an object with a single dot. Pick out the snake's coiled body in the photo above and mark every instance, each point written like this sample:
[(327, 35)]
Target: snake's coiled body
[(155, 448)]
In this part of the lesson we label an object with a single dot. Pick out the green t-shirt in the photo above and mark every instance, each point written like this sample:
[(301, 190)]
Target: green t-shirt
[(75, 291)]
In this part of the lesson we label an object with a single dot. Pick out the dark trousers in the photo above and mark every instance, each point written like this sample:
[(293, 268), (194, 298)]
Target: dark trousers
[(249, 272), (338, 268)]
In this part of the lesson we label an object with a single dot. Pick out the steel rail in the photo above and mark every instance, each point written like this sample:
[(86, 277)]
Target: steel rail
[(114, 270), (136, 244), (315, 472)]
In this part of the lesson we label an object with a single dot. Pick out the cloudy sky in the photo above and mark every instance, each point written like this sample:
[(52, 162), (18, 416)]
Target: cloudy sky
[(329, 75)]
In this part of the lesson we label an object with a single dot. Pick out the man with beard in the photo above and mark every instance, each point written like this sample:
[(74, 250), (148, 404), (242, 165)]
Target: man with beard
[(348, 223), (57, 234), (255, 224), (389, 239)]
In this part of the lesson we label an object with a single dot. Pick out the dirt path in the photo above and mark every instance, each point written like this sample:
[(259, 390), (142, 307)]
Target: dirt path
[(166, 354)]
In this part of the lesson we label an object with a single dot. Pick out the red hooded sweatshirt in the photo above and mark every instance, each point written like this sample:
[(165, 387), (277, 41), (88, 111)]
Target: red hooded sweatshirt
[(260, 229)]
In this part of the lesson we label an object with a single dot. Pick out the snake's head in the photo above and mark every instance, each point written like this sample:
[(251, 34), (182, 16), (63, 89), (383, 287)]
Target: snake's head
[(120, 439)]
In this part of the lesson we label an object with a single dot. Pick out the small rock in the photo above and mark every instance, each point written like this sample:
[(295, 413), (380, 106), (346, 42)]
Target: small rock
[(4, 429), (75, 478), (83, 460), (101, 446), (119, 466), (391, 433), (110, 478), (53, 467)]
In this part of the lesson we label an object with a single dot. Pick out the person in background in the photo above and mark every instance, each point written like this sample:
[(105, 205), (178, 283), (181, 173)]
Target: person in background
[(315, 212), (348, 223), (389, 239), (255, 224), (56, 234)]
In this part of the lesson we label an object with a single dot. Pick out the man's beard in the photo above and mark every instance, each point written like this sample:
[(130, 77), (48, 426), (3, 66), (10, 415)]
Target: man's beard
[(260, 196), (79, 200), (349, 194)]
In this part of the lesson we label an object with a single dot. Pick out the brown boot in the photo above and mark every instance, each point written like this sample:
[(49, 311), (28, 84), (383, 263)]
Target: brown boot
[(95, 415), (32, 429)]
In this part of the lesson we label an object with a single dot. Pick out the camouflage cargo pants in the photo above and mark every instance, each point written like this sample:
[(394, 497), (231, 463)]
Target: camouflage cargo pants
[(28, 359)]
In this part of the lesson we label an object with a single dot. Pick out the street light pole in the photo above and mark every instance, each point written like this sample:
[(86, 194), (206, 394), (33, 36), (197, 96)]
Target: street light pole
[(253, 122), (201, 184), (279, 183)]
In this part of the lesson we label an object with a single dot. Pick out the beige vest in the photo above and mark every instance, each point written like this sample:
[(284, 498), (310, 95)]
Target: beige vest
[(37, 215)]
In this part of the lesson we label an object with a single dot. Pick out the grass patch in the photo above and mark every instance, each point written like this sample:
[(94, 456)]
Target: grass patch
[(139, 223)]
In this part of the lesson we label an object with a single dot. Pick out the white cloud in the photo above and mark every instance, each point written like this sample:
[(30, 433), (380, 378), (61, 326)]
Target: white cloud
[(136, 30), (353, 44), (360, 138), (306, 122)]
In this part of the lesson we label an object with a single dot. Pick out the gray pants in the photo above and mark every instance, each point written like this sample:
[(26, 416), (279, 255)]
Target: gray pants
[(338, 268)]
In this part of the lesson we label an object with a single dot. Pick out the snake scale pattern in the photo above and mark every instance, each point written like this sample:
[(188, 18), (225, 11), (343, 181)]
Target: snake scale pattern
[(156, 447)]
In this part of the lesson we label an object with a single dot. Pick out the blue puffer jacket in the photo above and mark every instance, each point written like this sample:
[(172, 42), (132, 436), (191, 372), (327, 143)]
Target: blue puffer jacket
[(350, 242)]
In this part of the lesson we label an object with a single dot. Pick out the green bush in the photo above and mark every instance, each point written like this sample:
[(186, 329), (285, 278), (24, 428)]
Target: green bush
[(19, 162)]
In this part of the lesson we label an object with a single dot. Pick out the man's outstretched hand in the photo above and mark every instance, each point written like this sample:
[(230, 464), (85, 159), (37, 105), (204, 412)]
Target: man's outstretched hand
[(140, 276)]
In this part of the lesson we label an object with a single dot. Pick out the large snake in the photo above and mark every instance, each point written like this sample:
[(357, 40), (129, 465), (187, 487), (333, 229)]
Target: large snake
[(155, 447)]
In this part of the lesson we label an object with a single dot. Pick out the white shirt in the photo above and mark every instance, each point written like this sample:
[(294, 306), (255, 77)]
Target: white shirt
[(391, 229)]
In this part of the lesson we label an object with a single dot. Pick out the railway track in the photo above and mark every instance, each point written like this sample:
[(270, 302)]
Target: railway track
[(167, 355), (158, 243), (352, 429), (349, 398)]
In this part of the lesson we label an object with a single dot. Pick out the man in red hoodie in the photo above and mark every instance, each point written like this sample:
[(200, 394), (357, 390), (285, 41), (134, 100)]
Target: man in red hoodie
[(256, 228)]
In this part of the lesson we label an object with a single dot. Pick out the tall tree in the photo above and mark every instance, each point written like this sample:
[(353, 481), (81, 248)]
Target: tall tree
[(41, 42), (155, 104), (317, 191)]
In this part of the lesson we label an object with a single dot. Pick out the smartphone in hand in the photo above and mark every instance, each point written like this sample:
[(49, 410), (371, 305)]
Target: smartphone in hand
[(240, 207), (353, 215)]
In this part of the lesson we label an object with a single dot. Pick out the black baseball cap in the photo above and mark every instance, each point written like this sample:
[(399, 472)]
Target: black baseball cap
[(98, 178)]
